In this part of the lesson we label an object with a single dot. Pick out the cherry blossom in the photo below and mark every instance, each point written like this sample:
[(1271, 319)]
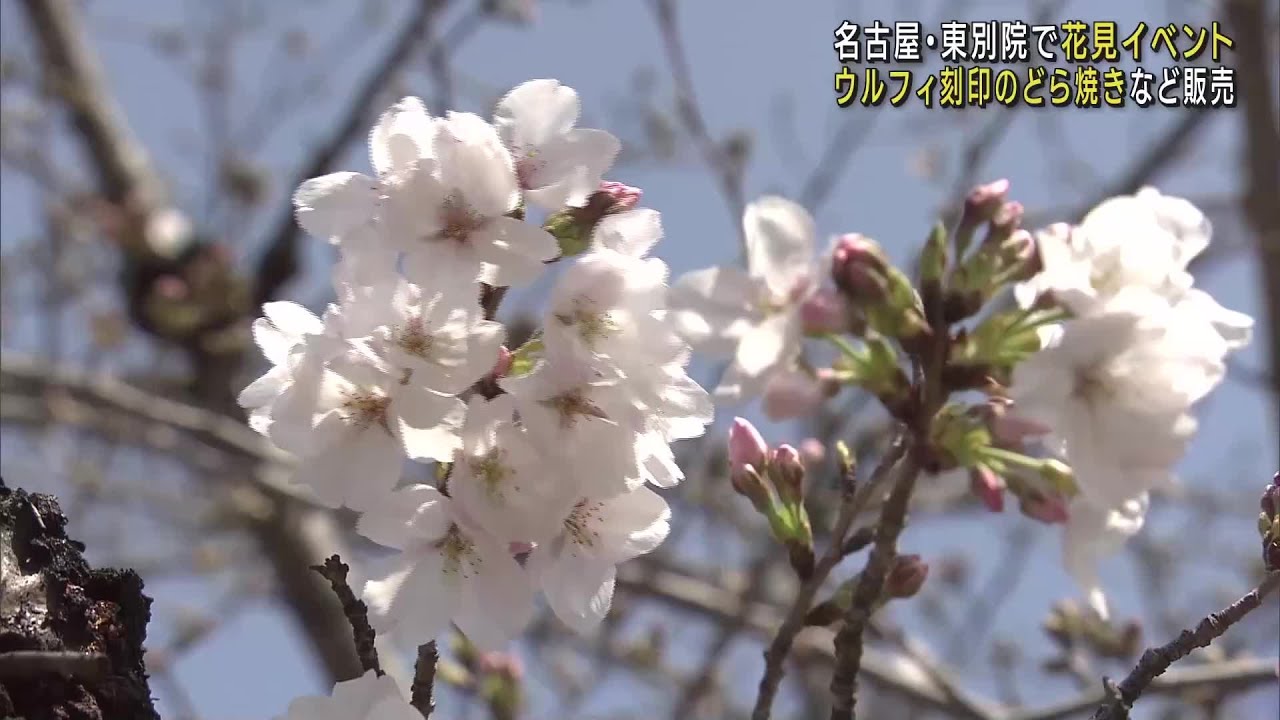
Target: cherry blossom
[(755, 315), (555, 164), (577, 569), (448, 569)]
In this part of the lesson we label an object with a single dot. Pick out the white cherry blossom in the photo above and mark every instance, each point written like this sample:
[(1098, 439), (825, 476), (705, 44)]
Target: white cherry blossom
[(452, 222), (555, 164), (347, 207), (577, 569), (437, 337), (352, 422), (288, 335), (448, 569), (1116, 390), (1144, 240), (506, 483), (753, 314), (367, 697)]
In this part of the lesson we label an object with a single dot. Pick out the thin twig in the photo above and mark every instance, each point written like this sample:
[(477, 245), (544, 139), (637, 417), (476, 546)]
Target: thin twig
[(422, 692), (715, 157), (1157, 660), (776, 654), (335, 571), (848, 642)]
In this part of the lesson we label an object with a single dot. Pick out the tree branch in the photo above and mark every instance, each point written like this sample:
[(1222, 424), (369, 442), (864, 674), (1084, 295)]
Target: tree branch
[(852, 502), (848, 642), (422, 692), (335, 571), (1155, 661)]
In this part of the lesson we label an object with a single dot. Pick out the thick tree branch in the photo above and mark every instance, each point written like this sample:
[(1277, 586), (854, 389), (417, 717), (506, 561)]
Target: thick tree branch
[(335, 571), (1260, 158)]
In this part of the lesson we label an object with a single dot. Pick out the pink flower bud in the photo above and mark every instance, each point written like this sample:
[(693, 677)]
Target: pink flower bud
[(1049, 509), (823, 312), (792, 394), (787, 471), (505, 664), (812, 450), (988, 487), (624, 197), (982, 202), (907, 576), (503, 364), (746, 446), (858, 268)]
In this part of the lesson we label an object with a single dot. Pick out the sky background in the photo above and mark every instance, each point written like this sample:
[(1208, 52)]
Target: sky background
[(764, 67)]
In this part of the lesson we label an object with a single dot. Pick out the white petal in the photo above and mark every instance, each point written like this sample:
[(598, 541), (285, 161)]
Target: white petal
[(402, 136), (474, 161), (568, 169), (292, 318), (359, 467), (331, 205), (355, 698), (714, 307), (428, 423), (579, 593), (1236, 328), (633, 232), (765, 346), (779, 235), (413, 597), (536, 111), (393, 708), (515, 250), (1094, 532), (396, 518), (501, 600), (265, 389)]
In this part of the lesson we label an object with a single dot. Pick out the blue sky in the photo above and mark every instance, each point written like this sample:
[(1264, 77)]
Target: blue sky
[(757, 66)]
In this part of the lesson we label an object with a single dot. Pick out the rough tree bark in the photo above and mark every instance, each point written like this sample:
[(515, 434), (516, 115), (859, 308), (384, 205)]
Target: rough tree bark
[(71, 637)]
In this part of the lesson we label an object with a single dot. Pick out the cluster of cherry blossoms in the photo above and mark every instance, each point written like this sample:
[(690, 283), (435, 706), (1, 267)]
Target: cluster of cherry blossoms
[(1089, 382), (1114, 387), (543, 453)]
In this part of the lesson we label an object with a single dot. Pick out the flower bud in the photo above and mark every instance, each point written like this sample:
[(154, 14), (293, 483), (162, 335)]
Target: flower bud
[(858, 266), (792, 394), (1003, 224), (748, 483), (906, 577), (1059, 475), (573, 226), (980, 205), (746, 446), (787, 472), (988, 487), (1049, 509), (824, 312), (813, 451)]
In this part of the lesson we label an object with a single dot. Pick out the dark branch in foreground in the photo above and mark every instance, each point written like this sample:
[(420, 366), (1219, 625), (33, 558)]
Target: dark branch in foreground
[(422, 693), (1156, 660), (33, 663), (335, 571)]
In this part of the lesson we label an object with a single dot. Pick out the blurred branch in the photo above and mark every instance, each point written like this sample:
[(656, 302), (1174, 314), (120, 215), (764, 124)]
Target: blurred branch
[(1261, 158), (1155, 661), (279, 261), (717, 158)]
